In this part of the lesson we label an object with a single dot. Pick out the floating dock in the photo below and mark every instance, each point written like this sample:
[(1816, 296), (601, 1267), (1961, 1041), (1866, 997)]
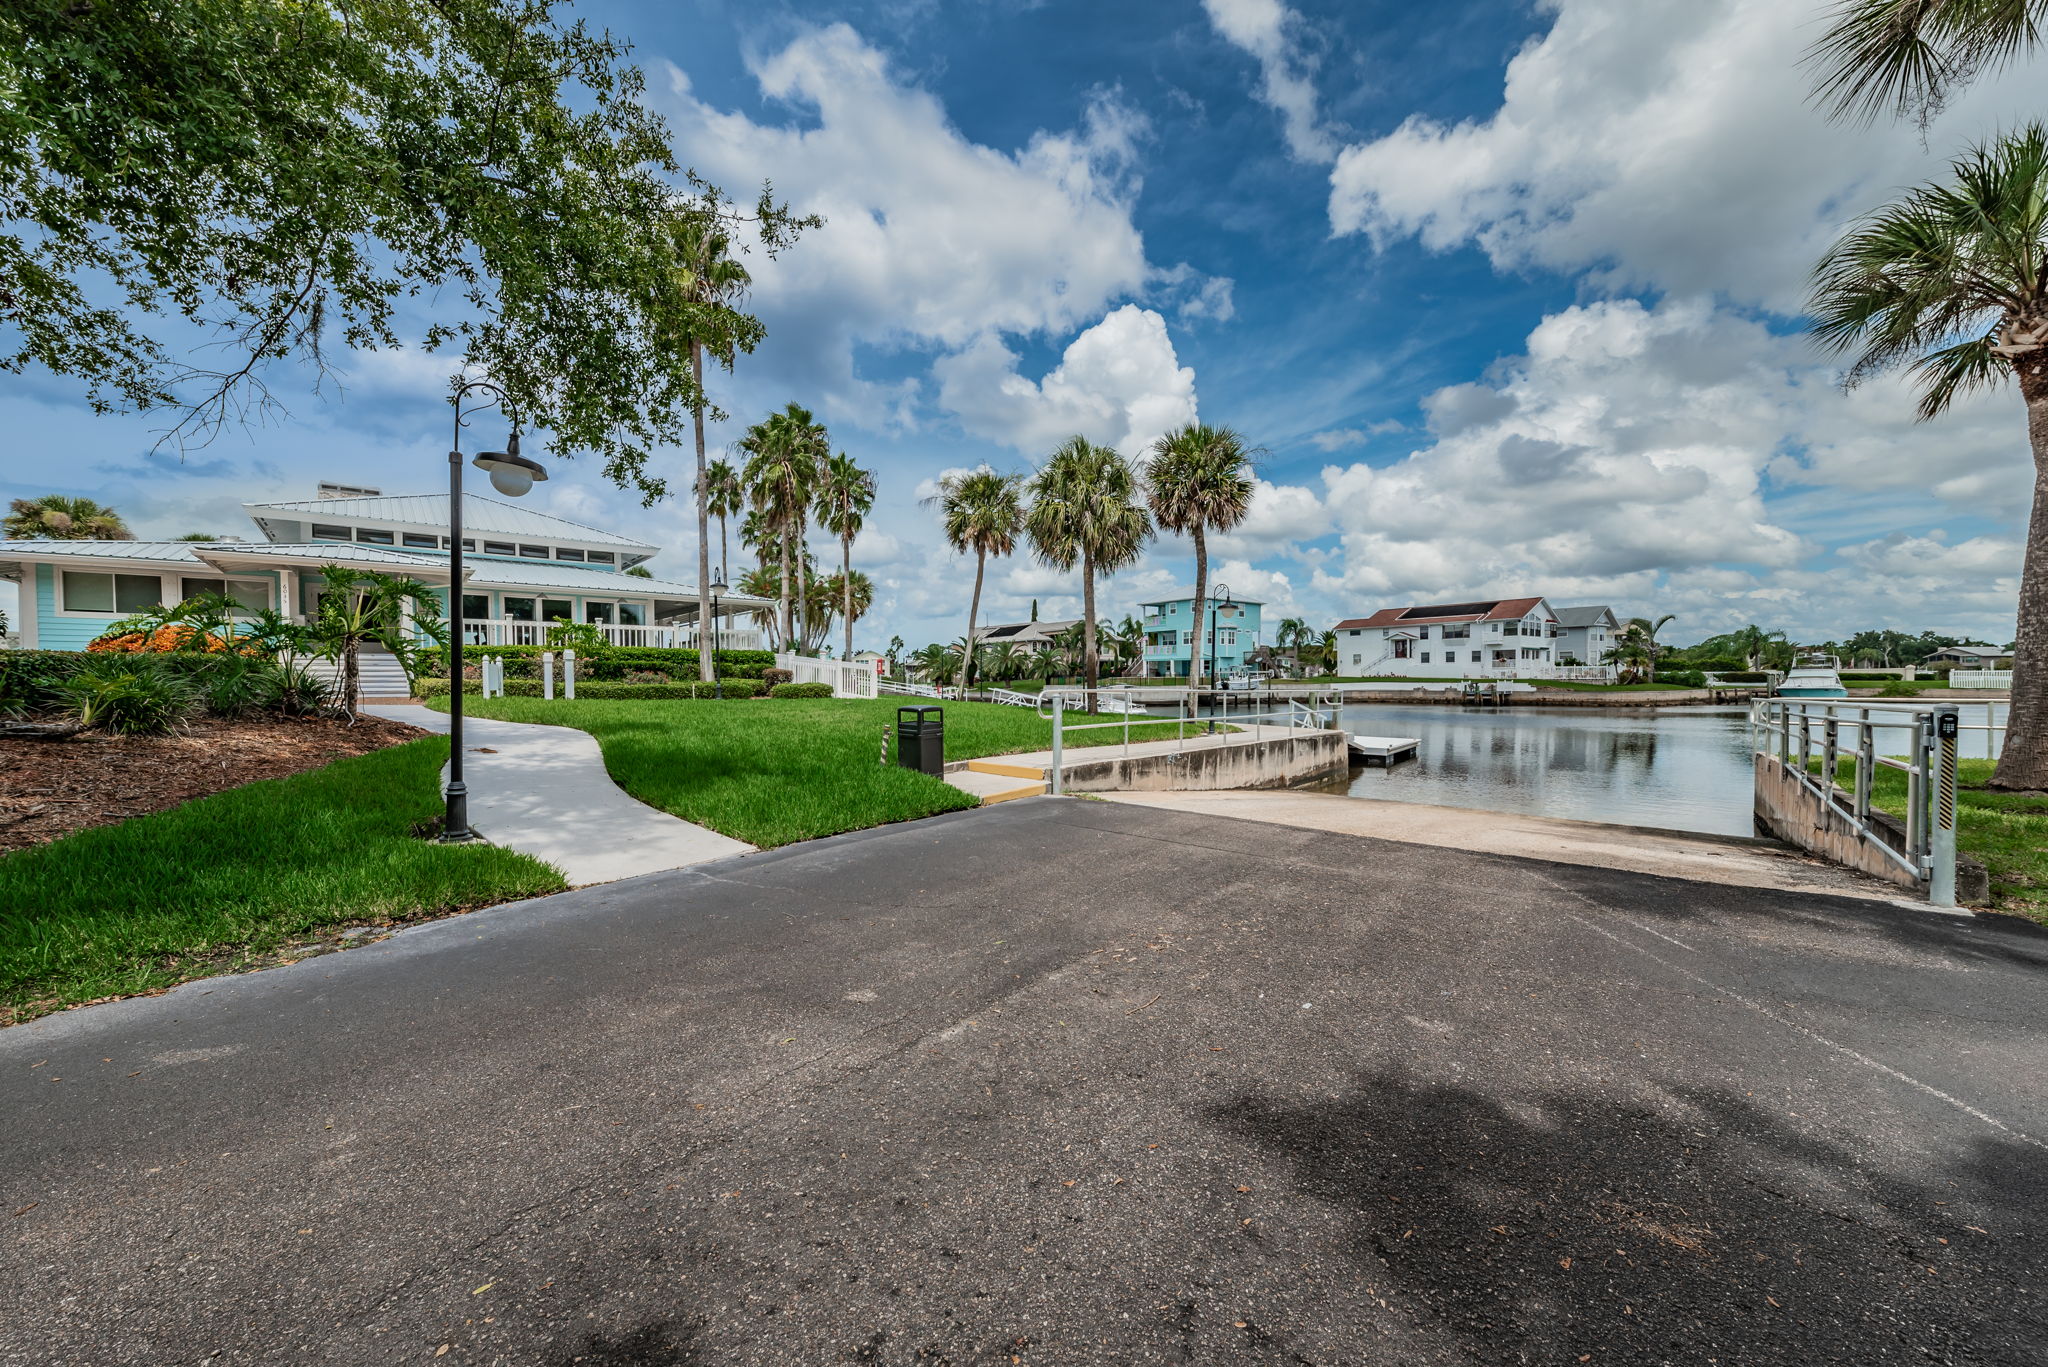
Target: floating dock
[(1388, 750)]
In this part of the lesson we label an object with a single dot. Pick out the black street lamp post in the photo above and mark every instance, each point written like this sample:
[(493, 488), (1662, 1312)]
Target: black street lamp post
[(1219, 597), (511, 474)]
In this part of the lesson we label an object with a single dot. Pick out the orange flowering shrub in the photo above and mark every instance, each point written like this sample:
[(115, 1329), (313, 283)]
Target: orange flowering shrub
[(170, 637)]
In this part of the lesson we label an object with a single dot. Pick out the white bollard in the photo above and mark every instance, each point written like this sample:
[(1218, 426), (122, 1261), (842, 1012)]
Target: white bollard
[(547, 674), (569, 675)]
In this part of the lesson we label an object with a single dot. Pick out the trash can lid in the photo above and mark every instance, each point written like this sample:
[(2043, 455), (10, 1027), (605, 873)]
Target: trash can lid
[(920, 711)]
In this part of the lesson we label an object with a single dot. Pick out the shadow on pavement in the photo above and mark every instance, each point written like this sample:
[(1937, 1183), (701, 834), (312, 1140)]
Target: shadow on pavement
[(1568, 1230)]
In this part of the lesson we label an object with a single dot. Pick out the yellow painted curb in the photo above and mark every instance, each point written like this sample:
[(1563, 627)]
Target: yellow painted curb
[(1033, 791), (989, 766)]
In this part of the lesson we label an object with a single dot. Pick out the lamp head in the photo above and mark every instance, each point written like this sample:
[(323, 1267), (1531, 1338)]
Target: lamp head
[(511, 473), (718, 582)]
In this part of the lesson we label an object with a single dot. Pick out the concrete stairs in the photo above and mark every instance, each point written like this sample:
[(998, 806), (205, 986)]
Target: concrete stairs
[(381, 677), (994, 781)]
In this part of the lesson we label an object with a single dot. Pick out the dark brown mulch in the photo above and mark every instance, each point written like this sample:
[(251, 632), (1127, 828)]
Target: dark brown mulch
[(52, 788)]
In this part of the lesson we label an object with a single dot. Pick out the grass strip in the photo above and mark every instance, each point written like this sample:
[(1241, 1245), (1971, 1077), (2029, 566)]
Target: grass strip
[(2006, 832), (774, 771), (199, 888)]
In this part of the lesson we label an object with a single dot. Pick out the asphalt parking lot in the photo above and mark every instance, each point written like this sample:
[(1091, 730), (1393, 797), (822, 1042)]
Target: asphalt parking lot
[(1060, 1082)]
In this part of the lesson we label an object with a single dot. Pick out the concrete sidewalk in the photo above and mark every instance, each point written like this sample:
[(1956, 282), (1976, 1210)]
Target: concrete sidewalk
[(543, 790), (1729, 860)]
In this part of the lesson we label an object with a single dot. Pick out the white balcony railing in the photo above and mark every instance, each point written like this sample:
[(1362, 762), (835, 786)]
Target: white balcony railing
[(499, 631)]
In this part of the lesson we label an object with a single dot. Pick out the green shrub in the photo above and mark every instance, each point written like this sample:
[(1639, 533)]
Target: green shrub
[(800, 690), (236, 685), (27, 677), (773, 676), (1899, 688), (129, 695), (1680, 678), (733, 689), (1743, 676)]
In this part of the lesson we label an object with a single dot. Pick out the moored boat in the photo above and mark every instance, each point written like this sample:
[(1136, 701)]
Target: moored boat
[(1813, 676)]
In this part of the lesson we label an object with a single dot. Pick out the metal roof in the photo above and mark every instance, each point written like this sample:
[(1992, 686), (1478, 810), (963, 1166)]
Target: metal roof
[(480, 515), (104, 550), (1584, 617)]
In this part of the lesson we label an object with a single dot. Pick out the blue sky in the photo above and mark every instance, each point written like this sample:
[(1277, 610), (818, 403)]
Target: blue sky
[(1505, 292)]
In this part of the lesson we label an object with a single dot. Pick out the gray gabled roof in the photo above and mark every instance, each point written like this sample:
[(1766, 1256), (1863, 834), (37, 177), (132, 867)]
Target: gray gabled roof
[(1585, 617), (480, 516)]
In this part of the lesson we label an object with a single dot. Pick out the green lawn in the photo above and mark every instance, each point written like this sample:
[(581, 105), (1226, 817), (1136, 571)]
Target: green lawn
[(2006, 832), (777, 770), (201, 888)]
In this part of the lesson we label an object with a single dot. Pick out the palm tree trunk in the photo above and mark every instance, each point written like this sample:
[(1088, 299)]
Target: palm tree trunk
[(724, 548), (846, 584), (2023, 761), (1091, 660), (782, 592), (1201, 616), (803, 585), (703, 523), (973, 609), (351, 678)]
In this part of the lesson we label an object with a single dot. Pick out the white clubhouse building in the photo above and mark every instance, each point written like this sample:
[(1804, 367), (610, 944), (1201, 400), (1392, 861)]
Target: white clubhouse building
[(1485, 639), (522, 569)]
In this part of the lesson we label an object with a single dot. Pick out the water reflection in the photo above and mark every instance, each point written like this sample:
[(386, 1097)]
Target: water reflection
[(1682, 769)]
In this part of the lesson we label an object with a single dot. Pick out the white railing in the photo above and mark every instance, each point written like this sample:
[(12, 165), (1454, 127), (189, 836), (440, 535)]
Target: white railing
[(504, 631), (1980, 678), (1008, 698), (847, 678), (905, 688)]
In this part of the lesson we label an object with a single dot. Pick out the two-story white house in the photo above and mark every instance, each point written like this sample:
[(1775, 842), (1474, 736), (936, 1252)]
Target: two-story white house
[(522, 569), (1485, 639), (1586, 634)]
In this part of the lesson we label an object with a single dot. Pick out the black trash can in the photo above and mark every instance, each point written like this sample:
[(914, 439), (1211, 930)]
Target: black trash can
[(921, 739)]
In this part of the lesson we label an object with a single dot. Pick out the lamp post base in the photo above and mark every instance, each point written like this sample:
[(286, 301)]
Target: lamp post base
[(455, 828)]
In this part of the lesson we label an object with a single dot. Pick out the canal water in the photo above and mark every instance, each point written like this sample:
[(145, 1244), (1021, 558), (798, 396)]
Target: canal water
[(1677, 768)]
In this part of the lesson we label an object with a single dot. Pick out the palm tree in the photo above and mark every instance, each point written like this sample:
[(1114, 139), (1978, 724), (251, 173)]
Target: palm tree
[(1199, 478), (358, 607), (934, 662), (1084, 508), (1951, 282), (710, 283), (1645, 632), (1006, 662), (56, 517), (846, 495), (850, 592), (724, 496), (980, 512), (1910, 56), (1044, 661), (781, 473), (1293, 634), (1326, 652)]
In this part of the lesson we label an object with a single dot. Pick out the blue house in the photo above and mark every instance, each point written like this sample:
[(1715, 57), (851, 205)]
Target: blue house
[(522, 569), (1230, 633)]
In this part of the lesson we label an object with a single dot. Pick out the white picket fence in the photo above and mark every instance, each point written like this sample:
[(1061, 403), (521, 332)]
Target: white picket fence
[(847, 678), (1980, 678)]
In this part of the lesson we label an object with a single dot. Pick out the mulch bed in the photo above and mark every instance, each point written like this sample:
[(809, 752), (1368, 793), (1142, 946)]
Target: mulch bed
[(52, 788)]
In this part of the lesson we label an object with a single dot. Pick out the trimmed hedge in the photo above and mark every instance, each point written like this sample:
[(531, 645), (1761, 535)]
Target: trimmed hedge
[(1744, 676), (1680, 678), (598, 689), (801, 690), (613, 663)]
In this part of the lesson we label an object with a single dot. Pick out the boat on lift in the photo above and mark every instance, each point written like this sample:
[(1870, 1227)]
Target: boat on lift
[(1813, 676)]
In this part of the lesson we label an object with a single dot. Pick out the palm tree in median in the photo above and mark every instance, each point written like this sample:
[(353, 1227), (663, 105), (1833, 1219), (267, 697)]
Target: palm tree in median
[(1085, 510), (1200, 479), (56, 517), (846, 495), (710, 283), (1951, 282), (981, 513)]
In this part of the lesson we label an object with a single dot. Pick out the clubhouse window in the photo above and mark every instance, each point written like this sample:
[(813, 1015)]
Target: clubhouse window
[(500, 548), (603, 558), (533, 552), (420, 541), (324, 532), (370, 536), (85, 591), (567, 553), (252, 594)]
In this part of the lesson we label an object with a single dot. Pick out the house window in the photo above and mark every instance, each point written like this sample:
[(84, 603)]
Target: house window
[(1425, 657), (1422, 634), (324, 532), (467, 544), (565, 553), (421, 541), (1358, 659), (603, 558), (519, 610), (1457, 633), (533, 552), (88, 592), (476, 606), (557, 610), (252, 594), (597, 612), (632, 615), (500, 548), (1475, 657), (371, 537)]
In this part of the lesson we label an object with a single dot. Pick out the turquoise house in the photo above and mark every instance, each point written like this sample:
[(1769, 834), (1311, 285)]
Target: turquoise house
[(1230, 633)]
